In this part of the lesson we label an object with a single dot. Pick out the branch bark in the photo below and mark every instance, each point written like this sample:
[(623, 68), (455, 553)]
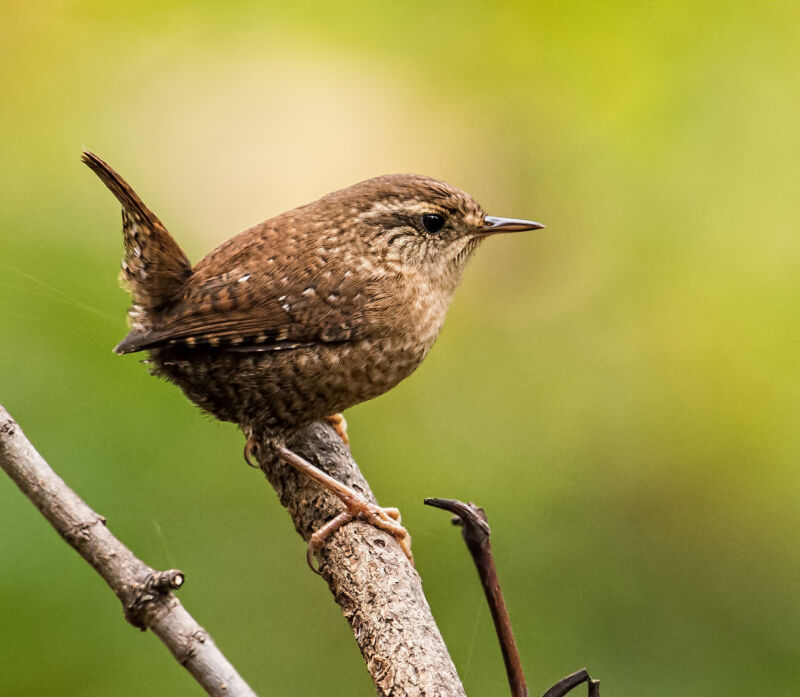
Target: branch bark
[(370, 577), (145, 593)]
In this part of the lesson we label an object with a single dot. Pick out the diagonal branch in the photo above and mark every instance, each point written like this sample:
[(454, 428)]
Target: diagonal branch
[(145, 593), (370, 577)]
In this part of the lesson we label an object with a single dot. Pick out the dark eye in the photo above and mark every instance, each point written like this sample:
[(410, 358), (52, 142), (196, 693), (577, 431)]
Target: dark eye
[(432, 222)]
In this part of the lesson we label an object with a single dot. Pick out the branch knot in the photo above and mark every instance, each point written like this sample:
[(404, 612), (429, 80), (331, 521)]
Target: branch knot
[(157, 585)]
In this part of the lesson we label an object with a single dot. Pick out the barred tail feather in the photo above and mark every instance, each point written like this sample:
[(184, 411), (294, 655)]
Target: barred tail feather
[(154, 267)]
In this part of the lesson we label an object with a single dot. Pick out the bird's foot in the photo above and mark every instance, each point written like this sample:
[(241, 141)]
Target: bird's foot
[(356, 507), (340, 426)]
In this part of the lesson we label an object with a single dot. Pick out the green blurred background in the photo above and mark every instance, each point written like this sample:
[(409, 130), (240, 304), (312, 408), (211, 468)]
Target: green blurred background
[(620, 391)]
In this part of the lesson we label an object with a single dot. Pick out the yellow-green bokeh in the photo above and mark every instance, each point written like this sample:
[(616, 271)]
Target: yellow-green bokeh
[(620, 392)]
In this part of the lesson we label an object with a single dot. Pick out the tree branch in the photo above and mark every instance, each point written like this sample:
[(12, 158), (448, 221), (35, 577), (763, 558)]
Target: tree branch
[(370, 577), (145, 593)]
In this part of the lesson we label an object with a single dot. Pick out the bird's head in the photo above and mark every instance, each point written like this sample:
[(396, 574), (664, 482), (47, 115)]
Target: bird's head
[(409, 220)]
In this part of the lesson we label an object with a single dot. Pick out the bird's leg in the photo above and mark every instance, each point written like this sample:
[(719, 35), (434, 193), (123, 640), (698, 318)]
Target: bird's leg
[(340, 426), (356, 506)]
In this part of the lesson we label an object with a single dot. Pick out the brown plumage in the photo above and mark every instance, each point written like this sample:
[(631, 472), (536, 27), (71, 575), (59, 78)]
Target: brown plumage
[(307, 313)]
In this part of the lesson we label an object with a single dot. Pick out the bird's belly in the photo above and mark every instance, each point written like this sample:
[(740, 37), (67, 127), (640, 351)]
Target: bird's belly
[(282, 390)]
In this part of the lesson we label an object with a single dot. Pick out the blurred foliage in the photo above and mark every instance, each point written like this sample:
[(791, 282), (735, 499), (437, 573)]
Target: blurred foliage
[(620, 391)]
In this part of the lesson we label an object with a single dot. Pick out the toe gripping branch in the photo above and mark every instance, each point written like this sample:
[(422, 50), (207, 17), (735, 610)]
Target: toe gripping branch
[(356, 505), (475, 531)]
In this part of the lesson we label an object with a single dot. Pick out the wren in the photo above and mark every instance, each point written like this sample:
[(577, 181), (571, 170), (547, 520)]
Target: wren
[(308, 313)]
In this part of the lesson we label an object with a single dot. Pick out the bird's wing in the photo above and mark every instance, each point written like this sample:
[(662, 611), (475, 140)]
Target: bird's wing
[(263, 307)]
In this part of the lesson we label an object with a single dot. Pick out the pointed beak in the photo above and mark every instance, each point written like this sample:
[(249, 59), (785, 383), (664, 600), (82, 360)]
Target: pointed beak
[(492, 225)]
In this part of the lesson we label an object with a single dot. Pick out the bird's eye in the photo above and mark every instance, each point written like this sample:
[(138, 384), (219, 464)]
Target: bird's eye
[(432, 222)]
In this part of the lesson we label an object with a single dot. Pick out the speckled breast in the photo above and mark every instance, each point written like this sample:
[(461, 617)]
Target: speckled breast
[(282, 390)]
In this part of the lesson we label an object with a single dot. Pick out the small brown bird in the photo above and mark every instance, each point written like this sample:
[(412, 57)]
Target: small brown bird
[(306, 314)]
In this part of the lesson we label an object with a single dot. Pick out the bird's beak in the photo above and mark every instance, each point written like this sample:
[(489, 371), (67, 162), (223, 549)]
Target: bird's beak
[(492, 225)]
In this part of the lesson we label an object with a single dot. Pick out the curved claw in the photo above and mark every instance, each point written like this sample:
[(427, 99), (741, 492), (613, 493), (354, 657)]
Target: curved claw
[(250, 448), (311, 554), (316, 540)]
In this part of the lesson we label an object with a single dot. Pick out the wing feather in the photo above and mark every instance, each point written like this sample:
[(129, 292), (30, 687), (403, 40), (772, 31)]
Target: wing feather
[(261, 313)]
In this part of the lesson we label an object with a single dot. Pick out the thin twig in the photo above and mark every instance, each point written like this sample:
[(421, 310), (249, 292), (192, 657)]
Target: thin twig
[(572, 681), (475, 531), (146, 596)]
